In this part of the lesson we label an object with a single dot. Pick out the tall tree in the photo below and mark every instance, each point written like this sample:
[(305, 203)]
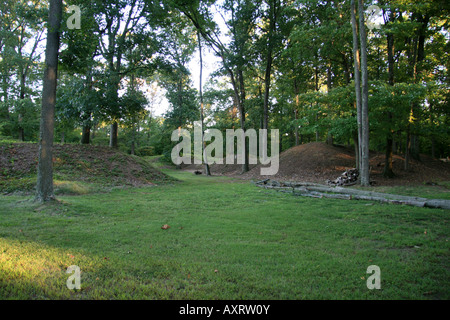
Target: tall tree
[(364, 143), (357, 76), (234, 54), (44, 187), (362, 91), (206, 164), (388, 164), (117, 21), (79, 63), (273, 13), (21, 31)]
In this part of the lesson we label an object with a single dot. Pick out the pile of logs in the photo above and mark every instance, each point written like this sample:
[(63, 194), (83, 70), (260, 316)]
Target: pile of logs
[(323, 191), (348, 178)]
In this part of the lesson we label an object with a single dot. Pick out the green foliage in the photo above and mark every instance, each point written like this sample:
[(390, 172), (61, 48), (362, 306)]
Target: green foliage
[(307, 44), (23, 115), (145, 151)]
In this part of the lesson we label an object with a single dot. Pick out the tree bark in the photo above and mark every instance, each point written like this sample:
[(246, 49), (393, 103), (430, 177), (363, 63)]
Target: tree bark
[(316, 87), (113, 137), (357, 77), (329, 87), (355, 141), (269, 61), (44, 186), (245, 165), (22, 76), (207, 171), (133, 141), (423, 20), (297, 105), (364, 144), (388, 165), (85, 135), (266, 92)]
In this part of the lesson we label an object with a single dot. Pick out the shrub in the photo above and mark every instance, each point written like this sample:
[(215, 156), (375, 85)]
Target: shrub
[(145, 151)]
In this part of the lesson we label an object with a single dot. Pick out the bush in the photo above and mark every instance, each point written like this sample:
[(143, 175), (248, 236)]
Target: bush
[(145, 151)]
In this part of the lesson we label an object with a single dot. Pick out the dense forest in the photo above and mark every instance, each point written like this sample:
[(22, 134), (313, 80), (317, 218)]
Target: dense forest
[(286, 65)]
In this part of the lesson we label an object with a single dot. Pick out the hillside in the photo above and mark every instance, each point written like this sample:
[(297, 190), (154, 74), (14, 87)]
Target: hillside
[(83, 163), (318, 161)]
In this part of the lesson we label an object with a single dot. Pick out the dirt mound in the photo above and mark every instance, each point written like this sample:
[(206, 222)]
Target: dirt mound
[(427, 170), (318, 162), (80, 163), (314, 162)]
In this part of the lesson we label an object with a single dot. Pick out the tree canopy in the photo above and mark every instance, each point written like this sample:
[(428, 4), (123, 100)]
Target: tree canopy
[(283, 64)]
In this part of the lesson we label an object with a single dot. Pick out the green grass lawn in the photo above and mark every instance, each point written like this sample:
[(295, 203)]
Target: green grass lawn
[(227, 240)]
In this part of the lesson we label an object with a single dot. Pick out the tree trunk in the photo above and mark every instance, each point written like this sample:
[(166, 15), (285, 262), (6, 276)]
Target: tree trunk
[(357, 76), (364, 144), (388, 165), (21, 97), (273, 9), (329, 87), (113, 137), (418, 55), (267, 89), (44, 186), (316, 87), (355, 141), (21, 131), (85, 135), (423, 20), (245, 165), (132, 151), (207, 171), (296, 129), (297, 104)]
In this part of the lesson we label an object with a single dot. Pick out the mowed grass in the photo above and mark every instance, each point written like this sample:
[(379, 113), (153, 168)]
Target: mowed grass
[(227, 240)]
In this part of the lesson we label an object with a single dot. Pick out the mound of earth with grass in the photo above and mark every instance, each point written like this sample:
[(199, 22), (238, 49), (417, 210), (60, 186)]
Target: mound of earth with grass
[(88, 164), (318, 162)]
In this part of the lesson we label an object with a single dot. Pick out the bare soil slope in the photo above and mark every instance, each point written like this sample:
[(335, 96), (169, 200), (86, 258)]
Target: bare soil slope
[(318, 162)]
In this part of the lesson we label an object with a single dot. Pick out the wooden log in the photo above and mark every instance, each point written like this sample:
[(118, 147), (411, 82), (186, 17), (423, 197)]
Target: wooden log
[(321, 191), (362, 193), (438, 203)]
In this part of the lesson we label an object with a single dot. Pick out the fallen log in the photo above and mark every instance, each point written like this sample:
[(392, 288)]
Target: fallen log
[(361, 192), (321, 191)]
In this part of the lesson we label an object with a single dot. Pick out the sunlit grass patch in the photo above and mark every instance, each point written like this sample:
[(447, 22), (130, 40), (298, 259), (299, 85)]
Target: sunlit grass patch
[(71, 187), (34, 270)]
